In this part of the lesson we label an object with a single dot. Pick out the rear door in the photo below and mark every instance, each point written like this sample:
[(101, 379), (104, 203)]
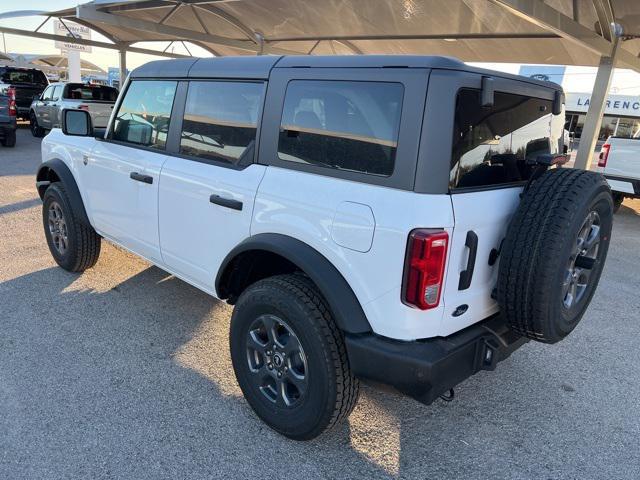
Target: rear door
[(488, 169), (41, 107), (208, 185)]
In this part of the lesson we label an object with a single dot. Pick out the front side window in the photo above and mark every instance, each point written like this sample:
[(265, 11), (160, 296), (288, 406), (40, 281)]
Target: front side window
[(56, 92), (46, 95), (220, 120), (342, 125), (144, 114), (491, 145)]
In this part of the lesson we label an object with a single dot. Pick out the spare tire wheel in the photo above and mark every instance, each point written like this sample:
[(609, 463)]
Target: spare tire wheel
[(554, 252)]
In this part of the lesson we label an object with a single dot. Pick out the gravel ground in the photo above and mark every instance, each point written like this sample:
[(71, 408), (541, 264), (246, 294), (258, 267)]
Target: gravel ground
[(124, 372)]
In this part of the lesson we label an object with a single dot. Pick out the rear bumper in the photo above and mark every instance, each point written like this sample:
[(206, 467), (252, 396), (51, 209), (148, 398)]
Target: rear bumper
[(428, 368), (629, 186)]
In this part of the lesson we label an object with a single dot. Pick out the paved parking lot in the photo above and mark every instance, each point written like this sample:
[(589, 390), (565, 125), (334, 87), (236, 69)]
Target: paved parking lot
[(124, 372)]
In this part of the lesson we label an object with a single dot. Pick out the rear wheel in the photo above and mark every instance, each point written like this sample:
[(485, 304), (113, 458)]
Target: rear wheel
[(618, 198), (73, 245), (289, 357), (554, 252), (36, 130)]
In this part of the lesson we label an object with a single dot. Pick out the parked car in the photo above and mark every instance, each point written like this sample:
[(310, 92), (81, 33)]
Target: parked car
[(8, 118), (619, 162), (45, 112), (27, 83), (400, 219)]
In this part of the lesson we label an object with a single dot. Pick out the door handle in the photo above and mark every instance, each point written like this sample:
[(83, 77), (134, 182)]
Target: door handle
[(138, 177), (466, 275), (226, 202)]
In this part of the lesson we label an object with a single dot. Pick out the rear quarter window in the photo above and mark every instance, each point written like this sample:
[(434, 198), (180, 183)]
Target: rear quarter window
[(491, 145), (343, 125)]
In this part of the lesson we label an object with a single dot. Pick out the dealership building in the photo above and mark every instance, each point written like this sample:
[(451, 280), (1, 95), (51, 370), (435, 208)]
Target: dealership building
[(621, 115)]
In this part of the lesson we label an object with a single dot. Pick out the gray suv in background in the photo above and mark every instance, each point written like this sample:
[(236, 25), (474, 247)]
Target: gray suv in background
[(45, 112)]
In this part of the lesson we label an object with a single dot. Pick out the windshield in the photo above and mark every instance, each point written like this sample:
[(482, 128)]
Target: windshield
[(80, 91), (22, 75)]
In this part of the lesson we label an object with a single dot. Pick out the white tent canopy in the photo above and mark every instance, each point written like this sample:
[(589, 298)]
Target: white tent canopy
[(52, 63)]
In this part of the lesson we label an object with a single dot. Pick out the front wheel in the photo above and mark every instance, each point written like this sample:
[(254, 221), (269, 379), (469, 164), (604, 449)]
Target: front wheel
[(36, 130), (10, 139), (289, 357), (73, 245)]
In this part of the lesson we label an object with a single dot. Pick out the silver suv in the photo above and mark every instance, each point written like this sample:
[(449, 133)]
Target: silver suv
[(45, 111)]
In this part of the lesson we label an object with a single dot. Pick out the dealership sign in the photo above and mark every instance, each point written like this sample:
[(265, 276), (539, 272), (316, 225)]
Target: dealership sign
[(71, 30), (617, 105)]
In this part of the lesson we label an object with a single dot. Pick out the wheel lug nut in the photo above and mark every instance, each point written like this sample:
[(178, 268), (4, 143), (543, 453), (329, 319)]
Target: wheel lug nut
[(269, 366), (279, 374)]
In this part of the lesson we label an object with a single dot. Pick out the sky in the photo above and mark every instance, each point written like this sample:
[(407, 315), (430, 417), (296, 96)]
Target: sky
[(576, 79), (102, 57)]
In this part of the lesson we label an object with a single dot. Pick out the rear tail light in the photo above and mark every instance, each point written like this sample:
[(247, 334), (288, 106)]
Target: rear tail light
[(11, 93), (424, 268), (83, 107), (604, 154)]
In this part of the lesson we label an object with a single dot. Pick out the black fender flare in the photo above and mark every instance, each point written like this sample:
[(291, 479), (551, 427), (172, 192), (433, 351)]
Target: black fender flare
[(344, 304), (63, 173)]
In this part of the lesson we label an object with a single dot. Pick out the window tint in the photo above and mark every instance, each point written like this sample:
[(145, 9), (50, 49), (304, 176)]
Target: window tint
[(22, 75), (80, 91), (48, 92), (56, 92), (220, 120), (491, 145), (143, 117), (342, 125)]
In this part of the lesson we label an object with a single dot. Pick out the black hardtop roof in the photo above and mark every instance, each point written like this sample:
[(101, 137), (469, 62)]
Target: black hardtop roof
[(258, 67)]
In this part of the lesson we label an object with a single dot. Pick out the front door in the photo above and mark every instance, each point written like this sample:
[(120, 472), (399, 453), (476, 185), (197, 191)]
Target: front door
[(122, 173), (208, 189)]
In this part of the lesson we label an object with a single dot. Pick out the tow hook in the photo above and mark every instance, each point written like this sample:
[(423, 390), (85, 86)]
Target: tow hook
[(449, 396)]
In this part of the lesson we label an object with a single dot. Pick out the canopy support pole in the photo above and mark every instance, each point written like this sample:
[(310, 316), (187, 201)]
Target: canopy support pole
[(123, 66), (597, 105)]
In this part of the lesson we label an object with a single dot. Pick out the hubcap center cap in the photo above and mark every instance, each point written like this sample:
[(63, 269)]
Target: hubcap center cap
[(278, 359)]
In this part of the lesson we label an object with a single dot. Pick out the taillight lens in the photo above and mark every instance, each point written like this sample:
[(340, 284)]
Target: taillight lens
[(83, 107), (424, 268), (11, 93), (604, 154)]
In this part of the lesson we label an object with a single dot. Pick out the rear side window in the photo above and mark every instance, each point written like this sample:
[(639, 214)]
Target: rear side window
[(100, 93), (220, 120), (144, 114), (491, 145), (342, 125)]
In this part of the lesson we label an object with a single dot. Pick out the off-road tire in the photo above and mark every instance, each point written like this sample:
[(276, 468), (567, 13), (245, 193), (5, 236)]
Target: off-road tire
[(535, 259), (9, 139), (36, 130), (332, 390), (618, 198), (83, 247)]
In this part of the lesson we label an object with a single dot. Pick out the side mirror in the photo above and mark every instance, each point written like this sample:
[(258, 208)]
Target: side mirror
[(76, 123)]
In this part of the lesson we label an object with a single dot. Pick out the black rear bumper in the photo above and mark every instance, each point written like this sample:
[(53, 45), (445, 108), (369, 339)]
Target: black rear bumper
[(426, 369)]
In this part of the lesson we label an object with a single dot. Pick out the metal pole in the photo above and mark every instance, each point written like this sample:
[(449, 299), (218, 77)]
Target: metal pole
[(597, 104), (123, 66)]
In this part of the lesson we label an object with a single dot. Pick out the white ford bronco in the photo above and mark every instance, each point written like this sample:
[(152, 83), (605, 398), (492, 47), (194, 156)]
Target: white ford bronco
[(400, 219)]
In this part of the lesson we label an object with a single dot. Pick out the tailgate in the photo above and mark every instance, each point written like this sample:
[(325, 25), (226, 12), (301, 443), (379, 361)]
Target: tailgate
[(100, 112), (624, 158), (25, 94)]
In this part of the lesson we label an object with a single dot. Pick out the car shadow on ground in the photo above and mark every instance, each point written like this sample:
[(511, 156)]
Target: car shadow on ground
[(135, 381)]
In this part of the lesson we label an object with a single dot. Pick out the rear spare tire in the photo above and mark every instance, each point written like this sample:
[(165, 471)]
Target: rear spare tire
[(554, 252)]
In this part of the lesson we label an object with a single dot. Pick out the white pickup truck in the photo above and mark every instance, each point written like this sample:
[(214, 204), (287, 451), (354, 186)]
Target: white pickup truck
[(619, 162)]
